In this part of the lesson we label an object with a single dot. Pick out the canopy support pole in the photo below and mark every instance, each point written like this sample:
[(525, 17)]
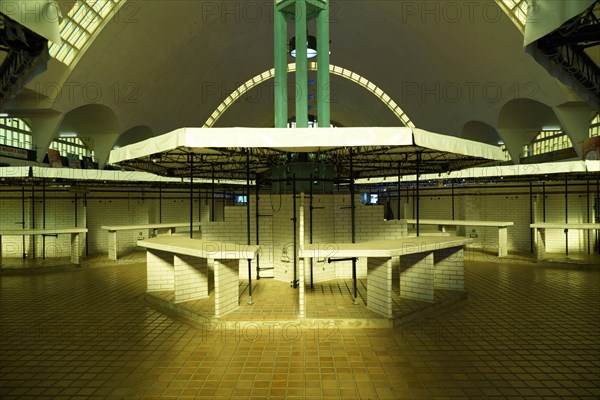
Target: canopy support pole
[(248, 223)]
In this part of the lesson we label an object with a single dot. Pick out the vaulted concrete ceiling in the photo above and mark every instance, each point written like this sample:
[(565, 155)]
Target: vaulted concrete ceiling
[(168, 64)]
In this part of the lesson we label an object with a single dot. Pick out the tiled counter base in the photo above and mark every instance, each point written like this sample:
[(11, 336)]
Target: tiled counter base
[(183, 265), (426, 264)]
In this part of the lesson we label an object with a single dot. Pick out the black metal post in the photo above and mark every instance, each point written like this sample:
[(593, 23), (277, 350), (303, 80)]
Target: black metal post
[(418, 194), (160, 203), (257, 214), (43, 218), (33, 220), (452, 200), (87, 251), (212, 195), (399, 187), (567, 213), (23, 218), (353, 222), (75, 202), (388, 207), (191, 161), (248, 223), (294, 218), (310, 229), (597, 216), (543, 201), (531, 237), (588, 214)]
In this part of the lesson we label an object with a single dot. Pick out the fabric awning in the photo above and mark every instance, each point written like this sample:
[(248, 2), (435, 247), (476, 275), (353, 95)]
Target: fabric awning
[(375, 151)]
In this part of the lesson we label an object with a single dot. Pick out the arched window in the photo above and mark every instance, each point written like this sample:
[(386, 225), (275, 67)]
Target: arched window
[(507, 156), (547, 141), (15, 132), (72, 145), (595, 126)]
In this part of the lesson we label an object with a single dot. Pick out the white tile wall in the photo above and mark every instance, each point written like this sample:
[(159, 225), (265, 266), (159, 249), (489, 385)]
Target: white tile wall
[(379, 289), (417, 276), (449, 269), (510, 203), (331, 224), (226, 286), (191, 278), (160, 273)]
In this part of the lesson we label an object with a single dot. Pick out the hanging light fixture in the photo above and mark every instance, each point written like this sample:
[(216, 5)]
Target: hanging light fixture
[(311, 46)]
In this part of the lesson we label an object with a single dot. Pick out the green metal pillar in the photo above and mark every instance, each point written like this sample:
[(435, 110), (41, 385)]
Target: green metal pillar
[(323, 84), (301, 65), (301, 11), (281, 97)]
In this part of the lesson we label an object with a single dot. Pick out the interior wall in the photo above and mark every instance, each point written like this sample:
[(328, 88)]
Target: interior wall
[(331, 219), (516, 202), (97, 208)]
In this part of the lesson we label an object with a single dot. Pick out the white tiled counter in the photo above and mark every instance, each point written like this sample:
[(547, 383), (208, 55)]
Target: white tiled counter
[(443, 224), (540, 233), (180, 264), (157, 229), (426, 263), (75, 249)]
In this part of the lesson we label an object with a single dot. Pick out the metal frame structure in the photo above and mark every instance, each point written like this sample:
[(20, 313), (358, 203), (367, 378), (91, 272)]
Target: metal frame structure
[(372, 161), (565, 49)]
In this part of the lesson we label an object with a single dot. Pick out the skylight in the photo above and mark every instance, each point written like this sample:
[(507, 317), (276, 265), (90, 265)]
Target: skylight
[(83, 22), (516, 10)]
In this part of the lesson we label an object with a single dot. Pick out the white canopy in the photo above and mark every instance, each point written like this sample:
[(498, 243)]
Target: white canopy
[(99, 175), (507, 171), (301, 140)]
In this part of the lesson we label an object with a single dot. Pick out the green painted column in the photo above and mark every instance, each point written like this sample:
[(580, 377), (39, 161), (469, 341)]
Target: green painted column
[(281, 97), (323, 82), (301, 66)]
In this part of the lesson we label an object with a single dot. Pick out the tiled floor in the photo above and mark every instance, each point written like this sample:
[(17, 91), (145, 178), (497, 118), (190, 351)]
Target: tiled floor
[(528, 331)]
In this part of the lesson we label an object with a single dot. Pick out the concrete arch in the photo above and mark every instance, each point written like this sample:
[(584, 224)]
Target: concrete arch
[(134, 135), (521, 120), (333, 69), (90, 119), (96, 125)]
